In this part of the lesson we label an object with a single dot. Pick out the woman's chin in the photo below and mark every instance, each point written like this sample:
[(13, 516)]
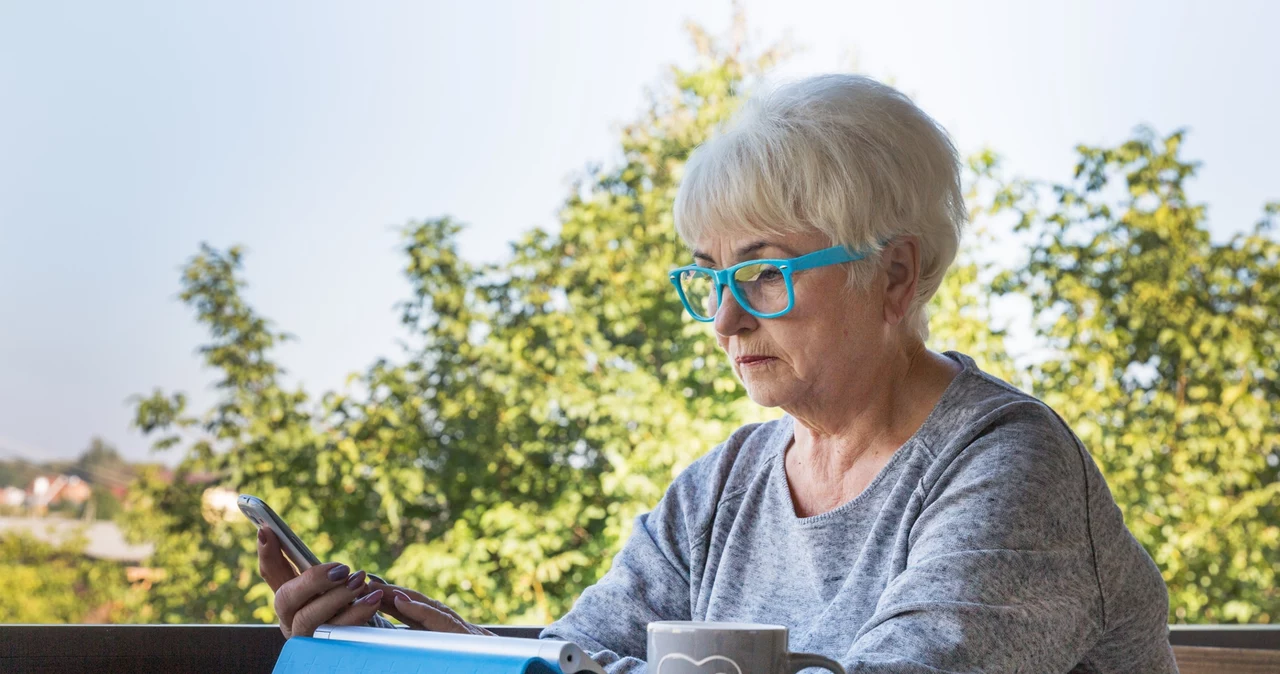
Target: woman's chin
[(764, 395)]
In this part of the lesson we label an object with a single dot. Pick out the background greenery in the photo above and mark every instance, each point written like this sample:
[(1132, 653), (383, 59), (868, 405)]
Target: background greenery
[(541, 403)]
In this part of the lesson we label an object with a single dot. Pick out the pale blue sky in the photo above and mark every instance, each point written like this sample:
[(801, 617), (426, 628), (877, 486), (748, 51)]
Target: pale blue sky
[(130, 132)]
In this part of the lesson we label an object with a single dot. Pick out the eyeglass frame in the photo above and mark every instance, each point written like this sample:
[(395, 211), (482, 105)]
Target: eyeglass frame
[(724, 277)]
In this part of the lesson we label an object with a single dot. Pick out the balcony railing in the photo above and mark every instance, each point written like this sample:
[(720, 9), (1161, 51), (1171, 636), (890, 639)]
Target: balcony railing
[(195, 649)]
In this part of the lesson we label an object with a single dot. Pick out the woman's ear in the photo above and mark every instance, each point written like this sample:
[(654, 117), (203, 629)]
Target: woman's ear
[(901, 262)]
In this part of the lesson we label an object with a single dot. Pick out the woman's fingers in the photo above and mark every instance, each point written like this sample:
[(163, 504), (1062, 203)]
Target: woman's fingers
[(392, 589), (322, 611), (328, 606), (321, 594), (389, 600), (435, 617), (302, 591), (272, 565), (421, 612), (423, 616), (360, 611)]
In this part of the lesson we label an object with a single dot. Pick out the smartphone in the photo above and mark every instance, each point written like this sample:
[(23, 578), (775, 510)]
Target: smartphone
[(302, 557), (262, 515)]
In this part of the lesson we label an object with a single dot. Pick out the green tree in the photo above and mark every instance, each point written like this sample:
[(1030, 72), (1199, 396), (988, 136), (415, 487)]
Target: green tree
[(1165, 364), (18, 473), (47, 583), (102, 467), (260, 438), (102, 504), (101, 464)]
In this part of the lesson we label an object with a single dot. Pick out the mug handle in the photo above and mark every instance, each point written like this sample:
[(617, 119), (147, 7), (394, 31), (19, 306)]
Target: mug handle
[(798, 661)]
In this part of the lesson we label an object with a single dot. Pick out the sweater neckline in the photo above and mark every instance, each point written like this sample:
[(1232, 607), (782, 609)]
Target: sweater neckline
[(787, 438)]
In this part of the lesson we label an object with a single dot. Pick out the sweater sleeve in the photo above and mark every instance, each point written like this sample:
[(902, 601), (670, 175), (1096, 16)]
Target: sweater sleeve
[(1001, 574), (648, 581)]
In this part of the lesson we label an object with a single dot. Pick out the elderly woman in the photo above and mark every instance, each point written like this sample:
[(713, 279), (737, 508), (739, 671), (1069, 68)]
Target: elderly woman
[(909, 513)]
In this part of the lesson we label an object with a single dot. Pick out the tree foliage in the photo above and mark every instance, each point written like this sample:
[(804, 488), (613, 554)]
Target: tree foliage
[(101, 464), (1164, 363), (48, 583)]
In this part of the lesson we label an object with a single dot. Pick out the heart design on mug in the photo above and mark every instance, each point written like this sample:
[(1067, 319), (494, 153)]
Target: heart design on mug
[(697, 663)]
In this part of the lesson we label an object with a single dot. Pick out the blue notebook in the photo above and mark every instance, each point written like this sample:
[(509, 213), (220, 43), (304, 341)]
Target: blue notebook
[(369, 650)]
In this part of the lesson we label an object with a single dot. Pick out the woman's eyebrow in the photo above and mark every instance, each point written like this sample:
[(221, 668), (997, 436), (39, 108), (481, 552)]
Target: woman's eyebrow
[(743, 252), (758, 245)]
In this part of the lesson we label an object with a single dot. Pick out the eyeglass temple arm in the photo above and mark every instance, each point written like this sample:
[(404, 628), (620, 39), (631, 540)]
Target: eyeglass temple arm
[(824, 257)]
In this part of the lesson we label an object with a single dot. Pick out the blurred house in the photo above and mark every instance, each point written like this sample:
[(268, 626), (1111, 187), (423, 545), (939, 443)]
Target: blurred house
[(101, 540), (12, 497), (47, 490)]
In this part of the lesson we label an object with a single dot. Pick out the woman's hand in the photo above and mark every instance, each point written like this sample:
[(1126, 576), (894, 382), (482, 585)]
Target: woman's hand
[(322, 594), (420, 612)]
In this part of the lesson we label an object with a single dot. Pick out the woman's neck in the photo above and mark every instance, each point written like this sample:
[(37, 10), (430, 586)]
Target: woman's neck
[(838, 450)]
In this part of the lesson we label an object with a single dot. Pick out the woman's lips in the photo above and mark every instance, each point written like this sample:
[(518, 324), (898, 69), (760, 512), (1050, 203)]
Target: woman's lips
[(749, 361)]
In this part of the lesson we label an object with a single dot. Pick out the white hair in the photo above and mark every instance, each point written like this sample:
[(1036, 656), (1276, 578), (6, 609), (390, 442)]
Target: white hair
[(841, 154)]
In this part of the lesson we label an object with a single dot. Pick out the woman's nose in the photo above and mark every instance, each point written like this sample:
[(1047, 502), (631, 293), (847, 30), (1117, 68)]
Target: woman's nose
[(731, 319)]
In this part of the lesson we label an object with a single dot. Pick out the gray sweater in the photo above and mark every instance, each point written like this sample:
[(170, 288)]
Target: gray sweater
[(989, 542)]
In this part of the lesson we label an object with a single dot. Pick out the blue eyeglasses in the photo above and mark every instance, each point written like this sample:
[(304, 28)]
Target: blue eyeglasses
[(762, 287)]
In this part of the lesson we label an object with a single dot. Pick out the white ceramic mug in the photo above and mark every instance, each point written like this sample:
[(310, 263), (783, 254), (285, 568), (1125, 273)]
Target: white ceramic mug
[(686, 647)]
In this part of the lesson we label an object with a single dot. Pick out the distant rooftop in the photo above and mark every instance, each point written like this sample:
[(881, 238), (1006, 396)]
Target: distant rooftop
[(104, 539)]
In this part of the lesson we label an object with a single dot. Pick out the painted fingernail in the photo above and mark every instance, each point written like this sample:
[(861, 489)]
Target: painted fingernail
[(400, 595), (339, 572), (371, 598), (262, 535), (356, 580)]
